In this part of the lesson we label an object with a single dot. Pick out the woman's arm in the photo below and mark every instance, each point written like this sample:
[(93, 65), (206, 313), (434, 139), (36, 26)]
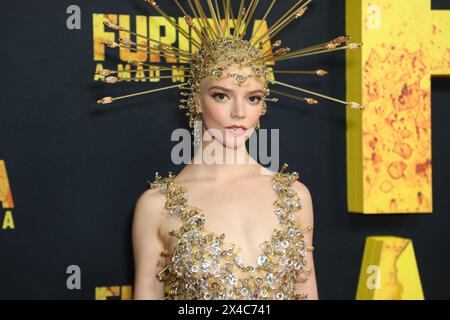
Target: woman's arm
[(306, 219), (147, 246)]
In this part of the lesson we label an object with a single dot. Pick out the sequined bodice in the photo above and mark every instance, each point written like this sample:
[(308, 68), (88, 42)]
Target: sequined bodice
[(204, 266)]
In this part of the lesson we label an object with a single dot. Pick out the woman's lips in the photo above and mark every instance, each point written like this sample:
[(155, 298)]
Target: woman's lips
[(236, 130)]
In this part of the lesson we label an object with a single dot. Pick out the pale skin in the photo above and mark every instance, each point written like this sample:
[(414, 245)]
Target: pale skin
[(237, 199)]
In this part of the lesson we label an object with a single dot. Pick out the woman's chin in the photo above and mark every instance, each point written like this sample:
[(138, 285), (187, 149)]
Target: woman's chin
[(234, 142)]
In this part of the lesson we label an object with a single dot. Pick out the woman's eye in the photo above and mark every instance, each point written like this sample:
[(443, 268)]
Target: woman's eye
[(255, 99), (219, 96)]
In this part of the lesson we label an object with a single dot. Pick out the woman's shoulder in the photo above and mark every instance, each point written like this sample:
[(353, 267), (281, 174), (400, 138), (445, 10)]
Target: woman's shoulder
[(303, 192), (150, 203), (150, 199), (301, 189), (294, 177)]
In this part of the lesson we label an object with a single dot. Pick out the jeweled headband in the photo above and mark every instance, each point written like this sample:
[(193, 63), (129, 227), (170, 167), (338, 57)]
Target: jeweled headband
[(217, 43)]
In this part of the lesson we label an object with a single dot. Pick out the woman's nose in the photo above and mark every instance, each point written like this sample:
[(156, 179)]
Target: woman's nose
[(238, 110)]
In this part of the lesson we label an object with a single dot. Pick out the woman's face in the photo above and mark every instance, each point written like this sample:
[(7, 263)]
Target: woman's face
[(230, 110)]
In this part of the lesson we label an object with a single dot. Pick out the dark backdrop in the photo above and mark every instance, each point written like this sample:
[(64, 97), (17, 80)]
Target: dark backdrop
[(76, 170)]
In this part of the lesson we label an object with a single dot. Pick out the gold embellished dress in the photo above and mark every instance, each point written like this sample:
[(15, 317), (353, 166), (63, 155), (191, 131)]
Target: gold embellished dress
[(204, 266)]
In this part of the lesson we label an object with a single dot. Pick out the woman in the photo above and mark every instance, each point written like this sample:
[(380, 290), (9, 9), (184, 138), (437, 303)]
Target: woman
[(225, 229), (236, 200)]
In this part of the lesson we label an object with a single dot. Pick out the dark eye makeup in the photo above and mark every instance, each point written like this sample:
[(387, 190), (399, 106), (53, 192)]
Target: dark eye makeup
[(218, 94), (221, 94)]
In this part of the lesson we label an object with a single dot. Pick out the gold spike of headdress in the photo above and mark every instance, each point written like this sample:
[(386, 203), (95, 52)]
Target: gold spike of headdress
[(216, 48)]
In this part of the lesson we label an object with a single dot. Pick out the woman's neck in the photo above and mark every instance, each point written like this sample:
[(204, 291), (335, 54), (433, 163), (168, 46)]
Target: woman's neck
[(217, 161)]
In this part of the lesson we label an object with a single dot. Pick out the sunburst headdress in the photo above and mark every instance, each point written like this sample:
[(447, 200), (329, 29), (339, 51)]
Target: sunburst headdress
[(218, 42)]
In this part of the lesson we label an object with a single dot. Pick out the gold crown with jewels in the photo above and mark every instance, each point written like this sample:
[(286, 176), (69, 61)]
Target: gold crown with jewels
[(218, 42)]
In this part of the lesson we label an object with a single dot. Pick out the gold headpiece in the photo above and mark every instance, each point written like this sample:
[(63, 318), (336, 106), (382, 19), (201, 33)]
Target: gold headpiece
[(215, 48)]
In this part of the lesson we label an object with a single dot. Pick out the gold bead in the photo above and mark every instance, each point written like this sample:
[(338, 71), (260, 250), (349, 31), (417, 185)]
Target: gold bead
[(105, 100), (321, 72)]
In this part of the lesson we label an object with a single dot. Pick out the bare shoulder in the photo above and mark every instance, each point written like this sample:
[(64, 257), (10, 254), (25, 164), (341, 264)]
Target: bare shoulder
[(301, 189), (151, 199), (149, 206), (147, 245), (307, 212)]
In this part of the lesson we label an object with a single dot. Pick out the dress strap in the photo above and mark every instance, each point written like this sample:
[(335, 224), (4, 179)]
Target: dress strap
[(176, 197), (288, 200)]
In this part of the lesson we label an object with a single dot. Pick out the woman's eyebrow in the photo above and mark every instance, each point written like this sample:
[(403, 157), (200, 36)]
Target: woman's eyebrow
[(255, 91), (220, 88), (229, 90)]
